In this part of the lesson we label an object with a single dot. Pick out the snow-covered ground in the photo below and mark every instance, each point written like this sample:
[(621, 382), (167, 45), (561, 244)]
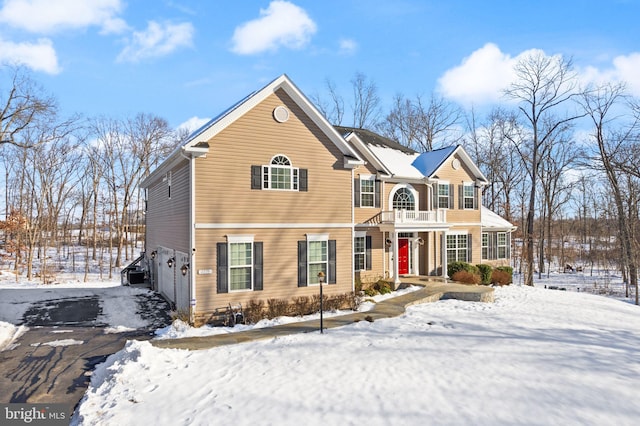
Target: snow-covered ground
[(535, 356)]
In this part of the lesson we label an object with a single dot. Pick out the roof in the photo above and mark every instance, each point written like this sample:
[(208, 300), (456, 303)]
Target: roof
[(430, 161), (491, 220), (371, 138)]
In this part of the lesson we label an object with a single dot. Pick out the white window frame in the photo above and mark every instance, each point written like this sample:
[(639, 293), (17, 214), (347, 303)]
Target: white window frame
[(447, 197), (239, 239), (360, 235), (312, 278), (269, 171), (457, 247), (466, 197), (504, 246), (372, 180), (485, 245)]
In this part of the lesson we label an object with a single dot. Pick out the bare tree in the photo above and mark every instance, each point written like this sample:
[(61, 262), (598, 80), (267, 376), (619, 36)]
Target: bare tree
[(366, 102), (543, 85), (600, 104), (332, 109), (21, 103)]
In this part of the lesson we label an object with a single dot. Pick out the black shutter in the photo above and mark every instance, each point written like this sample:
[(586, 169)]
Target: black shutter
[(331, 279), (508, 245), (451, 188), (476, 198), (223, 285), (257, 266), (302, 263), (256, 177), (303, 183), (356, 192), (469, 249), (377, 202), (461, 197), (367, 257), (435, 197)]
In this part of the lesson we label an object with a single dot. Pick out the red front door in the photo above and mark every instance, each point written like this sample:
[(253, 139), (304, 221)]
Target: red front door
[(403, 256)]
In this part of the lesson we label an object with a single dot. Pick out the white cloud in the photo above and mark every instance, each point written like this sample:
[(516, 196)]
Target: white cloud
[(193, 124), (281, 24), (49, 16), (480, 78), (622, 69), (157, 40), (348, 46), (39, 56)]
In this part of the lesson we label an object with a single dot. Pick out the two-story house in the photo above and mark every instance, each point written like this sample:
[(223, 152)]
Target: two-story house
[(264, 197)]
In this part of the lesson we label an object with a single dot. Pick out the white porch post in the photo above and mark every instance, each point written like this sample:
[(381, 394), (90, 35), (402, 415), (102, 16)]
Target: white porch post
[(396, 261), (443, 251)]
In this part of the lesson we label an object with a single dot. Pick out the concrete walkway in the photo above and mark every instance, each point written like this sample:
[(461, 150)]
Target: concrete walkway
[(393, 307)]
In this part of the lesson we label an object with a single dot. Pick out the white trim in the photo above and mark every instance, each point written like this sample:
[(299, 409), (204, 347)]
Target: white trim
[(317, 237), (271, 225), (399, 186), (239, 239)]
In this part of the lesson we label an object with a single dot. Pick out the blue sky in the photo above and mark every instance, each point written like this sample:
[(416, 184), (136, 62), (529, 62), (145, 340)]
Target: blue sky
[(189, 60)]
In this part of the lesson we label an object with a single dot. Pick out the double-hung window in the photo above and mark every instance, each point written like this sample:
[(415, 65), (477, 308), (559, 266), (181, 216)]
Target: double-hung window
[(485, 245), (240, 263), (457, 247), (444, 196), (468, 197), (367, 191), (503, 245), (317, 253)]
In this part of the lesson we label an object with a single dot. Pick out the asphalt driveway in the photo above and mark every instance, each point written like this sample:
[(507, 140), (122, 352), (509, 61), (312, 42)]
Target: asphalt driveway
[(69, 334)]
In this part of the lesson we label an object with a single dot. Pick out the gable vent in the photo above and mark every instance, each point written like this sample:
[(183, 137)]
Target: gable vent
[(280, 114)]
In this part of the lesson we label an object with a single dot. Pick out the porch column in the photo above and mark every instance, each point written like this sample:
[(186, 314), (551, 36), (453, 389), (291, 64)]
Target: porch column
[(396, 262), (443, 251)]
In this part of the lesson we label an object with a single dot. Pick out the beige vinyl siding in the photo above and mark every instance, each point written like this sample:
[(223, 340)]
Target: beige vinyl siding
[(378, 252), (458, 177), (167, 218), (223, 178), (422, 201), (280, 265), (366, 214)]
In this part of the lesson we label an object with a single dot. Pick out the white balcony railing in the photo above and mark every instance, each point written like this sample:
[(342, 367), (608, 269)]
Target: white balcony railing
[(414, 217)]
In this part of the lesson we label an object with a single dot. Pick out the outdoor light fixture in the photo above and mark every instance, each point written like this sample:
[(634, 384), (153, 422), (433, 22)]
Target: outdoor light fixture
[(388, 242), (184, 269), (170, 262), (153, 254), (320, 281)]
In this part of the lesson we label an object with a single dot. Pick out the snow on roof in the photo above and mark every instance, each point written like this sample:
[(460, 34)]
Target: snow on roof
[(491, 219), (428, 162), (397, 162)]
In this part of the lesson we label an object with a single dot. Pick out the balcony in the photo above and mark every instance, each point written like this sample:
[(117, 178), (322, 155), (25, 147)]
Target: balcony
[(410, 219)]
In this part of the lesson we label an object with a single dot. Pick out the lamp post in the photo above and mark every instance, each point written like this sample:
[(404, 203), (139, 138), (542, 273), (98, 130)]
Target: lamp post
[(320, 281)]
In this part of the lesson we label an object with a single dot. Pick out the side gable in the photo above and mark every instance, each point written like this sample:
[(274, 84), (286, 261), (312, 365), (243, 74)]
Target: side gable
[(431, 162)]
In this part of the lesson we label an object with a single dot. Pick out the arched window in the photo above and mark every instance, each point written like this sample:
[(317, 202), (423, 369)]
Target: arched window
[(403, 200), (279, 174)]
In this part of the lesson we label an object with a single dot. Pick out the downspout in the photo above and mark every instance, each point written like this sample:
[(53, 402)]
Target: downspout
[(192, 237), (353, 232)]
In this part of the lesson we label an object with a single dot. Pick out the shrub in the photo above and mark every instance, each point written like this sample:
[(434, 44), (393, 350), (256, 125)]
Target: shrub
[(466, 277), (383, 287), (485, 273), (253, 311), (370, 292), (277, 308), (301, 306), (358, 285), (508, 270), (499, 277), (454, 267)]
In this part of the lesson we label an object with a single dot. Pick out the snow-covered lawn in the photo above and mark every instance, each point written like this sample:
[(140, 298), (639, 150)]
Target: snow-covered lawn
[(535, 356)]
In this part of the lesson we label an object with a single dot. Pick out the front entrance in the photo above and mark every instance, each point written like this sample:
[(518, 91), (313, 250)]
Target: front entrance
[(403, 256)]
